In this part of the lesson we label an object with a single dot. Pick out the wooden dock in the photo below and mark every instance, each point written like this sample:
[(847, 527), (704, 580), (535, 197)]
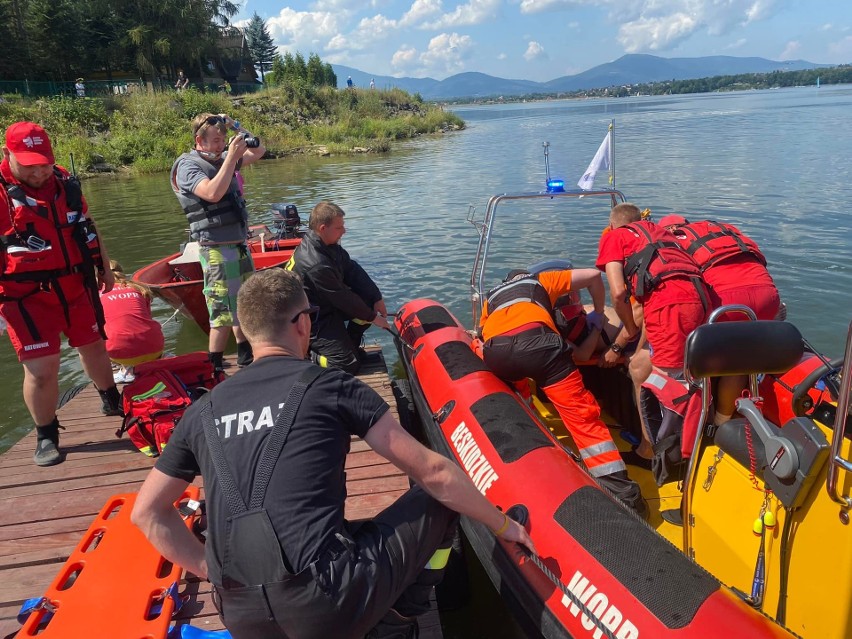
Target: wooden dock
[(45, 511)]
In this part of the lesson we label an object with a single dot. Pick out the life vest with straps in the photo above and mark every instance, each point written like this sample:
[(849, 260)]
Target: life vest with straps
[(213, 222), (45, 241), (671, 410), (660, 259), (709, 242), (523, 288)]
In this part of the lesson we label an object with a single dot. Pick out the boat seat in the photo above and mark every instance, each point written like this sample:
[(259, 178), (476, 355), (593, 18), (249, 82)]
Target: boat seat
[(743, 348), (189, 254)]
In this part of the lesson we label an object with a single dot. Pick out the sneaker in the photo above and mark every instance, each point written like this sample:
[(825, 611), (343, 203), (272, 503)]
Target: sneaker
[(47, 453), (124, 375)]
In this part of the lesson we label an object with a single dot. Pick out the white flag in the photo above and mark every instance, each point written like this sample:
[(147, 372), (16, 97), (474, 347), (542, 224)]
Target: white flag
[(602, 160)]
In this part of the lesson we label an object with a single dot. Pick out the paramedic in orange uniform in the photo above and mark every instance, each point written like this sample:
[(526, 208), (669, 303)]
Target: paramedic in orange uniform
[(521, 340)]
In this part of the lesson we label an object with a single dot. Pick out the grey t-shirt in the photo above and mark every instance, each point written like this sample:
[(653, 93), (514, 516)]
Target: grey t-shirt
[(187, 174)]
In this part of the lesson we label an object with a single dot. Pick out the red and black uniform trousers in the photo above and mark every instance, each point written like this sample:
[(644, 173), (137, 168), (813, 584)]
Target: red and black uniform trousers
[(538, 352)]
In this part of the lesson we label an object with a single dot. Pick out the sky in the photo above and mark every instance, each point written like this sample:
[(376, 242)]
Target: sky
[(545, 39)]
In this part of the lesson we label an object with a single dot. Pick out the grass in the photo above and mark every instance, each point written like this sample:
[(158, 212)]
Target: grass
[(144, 133)]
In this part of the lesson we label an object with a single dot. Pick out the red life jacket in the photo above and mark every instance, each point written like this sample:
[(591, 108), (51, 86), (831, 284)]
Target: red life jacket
[(660, 259), (44, 241), (47, 240), (671, 411), (710, 242)]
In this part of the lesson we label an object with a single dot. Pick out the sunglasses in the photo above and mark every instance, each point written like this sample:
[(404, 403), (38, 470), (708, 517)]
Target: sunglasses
[(213, 120), (312, 312)]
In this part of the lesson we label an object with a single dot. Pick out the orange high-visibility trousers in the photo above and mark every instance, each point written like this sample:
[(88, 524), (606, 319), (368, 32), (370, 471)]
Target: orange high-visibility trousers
[(581, 415)]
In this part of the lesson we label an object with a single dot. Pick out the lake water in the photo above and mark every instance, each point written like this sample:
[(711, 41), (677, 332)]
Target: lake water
[(776, 163)]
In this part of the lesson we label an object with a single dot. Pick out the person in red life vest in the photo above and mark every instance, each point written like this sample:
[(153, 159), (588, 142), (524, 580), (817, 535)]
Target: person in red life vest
[(644, 260), (133, 336), (51, 269), (520, 340), (734, 269)]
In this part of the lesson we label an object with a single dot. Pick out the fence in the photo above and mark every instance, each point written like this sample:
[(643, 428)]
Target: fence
[(104, 88)]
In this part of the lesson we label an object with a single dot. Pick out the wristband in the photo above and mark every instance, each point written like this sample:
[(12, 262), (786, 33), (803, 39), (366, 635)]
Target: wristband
[(504, 527)]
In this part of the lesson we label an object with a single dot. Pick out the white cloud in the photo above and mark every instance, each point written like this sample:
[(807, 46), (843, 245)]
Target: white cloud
[(419, 11), (842, 50), (446, 52), (475, 12), (826, 27), (661, 24), (534, 51), (502, 56), (791, 51), (404, 58), (736, 45), (539, 6), (654, 34), (304, 30)]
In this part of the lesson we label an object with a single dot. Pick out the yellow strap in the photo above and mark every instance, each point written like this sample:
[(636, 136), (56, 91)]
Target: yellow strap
[(439, 560)]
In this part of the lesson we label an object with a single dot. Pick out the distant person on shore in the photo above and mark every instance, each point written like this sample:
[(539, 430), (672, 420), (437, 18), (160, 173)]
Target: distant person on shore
[(182, 81), (734, 269), (372, 83), (349, 82), (282, 558), (133, 335), (80, 88), (51, 272), (205, 184), (348, 300)]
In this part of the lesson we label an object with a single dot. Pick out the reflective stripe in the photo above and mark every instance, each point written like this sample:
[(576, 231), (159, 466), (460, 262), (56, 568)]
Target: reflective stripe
[(510, 302), (439, 560), (322, 360), (598, 449), (657, 381), (607, 469), (360, 321)]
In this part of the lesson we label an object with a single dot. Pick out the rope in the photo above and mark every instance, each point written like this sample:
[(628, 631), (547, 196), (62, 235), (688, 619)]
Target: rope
[(571, 596)]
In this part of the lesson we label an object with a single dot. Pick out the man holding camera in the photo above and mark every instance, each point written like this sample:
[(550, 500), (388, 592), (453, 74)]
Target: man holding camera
[(205, 185)]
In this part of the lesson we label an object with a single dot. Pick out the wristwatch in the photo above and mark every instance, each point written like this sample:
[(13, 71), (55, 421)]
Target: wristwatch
[(615, 348)]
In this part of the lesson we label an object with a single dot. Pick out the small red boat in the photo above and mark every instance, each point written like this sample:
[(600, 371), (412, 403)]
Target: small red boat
[(177, 279)]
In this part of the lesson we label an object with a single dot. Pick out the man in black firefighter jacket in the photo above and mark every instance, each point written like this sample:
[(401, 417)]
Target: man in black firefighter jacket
[(348, 300)]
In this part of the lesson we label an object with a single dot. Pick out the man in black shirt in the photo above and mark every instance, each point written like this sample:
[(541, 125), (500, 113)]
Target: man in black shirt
[(331, 578), (349, 301)]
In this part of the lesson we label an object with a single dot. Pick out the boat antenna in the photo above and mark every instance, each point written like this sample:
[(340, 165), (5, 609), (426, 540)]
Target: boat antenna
[(612, 153), (546, 146), (73, 168), (553, 186)]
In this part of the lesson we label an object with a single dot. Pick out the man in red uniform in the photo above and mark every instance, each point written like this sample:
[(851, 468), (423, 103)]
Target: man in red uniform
[(50, 257), (735, 272), (521, 340), (644, 260)]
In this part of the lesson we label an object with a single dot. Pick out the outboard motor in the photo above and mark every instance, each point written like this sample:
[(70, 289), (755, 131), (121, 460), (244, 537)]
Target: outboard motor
[(287, 221)]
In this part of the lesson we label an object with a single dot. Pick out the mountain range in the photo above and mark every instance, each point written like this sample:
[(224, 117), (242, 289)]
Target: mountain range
[(626, 70)]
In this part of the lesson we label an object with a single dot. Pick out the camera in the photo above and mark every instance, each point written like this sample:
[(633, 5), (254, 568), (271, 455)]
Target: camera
[(252, 142)]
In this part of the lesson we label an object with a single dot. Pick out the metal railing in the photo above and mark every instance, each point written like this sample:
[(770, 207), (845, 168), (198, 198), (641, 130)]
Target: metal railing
[(836, 462)]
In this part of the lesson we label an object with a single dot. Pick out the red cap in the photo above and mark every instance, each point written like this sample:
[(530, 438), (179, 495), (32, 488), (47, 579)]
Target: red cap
[(672, 220), (29, 143)]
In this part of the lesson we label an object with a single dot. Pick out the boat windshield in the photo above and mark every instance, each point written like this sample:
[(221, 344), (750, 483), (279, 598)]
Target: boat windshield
[(535, 227)]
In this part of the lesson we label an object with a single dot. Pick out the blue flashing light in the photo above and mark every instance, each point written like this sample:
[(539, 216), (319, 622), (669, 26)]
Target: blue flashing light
[(556, 186)]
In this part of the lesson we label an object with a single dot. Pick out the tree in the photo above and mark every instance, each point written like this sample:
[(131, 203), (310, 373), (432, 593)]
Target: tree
[(300, 66), (314, 71), (329, 76), (260, 44)]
